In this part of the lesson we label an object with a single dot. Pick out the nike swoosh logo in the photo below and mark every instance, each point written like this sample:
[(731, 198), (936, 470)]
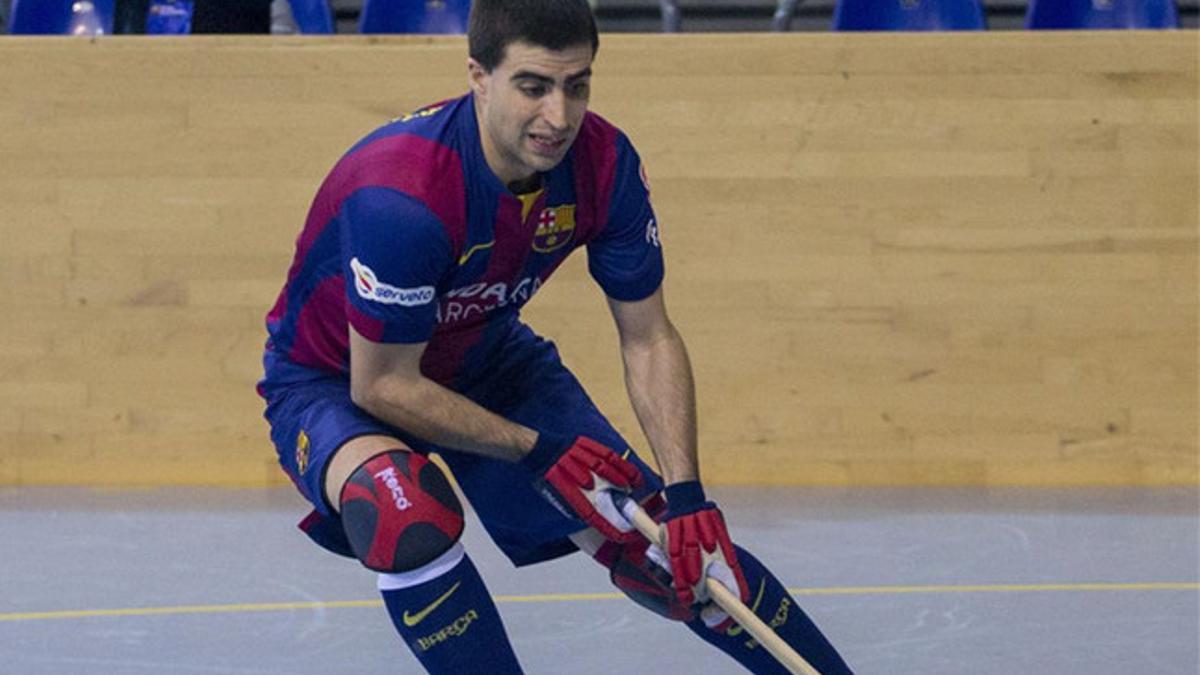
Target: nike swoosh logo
[(737, 629), (411, 620), (477, 247)]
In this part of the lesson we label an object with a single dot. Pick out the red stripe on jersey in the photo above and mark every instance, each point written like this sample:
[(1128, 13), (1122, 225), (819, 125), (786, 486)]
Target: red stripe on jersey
[(429, 171), (318, 342), (421, 168), (513, 237), (595, 164), (444, 356)]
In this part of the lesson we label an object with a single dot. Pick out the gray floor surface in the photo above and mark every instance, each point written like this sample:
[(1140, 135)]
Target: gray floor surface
[(921, 581)]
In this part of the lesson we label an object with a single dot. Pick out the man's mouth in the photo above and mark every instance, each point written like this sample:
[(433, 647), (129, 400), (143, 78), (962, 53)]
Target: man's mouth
[(547, 145)]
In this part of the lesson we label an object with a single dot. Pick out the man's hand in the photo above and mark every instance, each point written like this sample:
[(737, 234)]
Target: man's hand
[(575, 475), (699, 547)]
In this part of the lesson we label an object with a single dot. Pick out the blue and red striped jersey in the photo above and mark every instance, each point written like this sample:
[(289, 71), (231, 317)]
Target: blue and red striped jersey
[(412, 238)]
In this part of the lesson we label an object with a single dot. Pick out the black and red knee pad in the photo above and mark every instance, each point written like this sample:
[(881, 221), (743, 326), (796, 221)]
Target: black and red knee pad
[(399, 512)]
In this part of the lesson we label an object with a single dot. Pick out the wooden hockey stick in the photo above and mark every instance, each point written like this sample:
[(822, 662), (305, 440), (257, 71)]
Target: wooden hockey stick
[(723, 597)]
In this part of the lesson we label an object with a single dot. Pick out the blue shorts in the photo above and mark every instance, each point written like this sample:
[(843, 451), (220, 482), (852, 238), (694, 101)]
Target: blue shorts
[(527, 384)]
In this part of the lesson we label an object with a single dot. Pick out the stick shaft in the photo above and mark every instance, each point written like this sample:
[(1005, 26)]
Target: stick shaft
[(729, 602)]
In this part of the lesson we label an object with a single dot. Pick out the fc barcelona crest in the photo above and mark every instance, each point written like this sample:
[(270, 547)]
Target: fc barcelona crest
[(555, 228), (302, 451)]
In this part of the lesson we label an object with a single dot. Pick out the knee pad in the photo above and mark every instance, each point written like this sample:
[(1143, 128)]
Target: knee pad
[(646, 582), (399, 512), (632, 569)]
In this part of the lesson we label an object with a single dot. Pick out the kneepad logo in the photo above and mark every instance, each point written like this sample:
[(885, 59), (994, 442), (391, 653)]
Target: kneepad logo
[(371, 288), (388, 476)]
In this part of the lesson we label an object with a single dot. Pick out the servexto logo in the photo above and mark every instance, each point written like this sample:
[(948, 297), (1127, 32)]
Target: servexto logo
[(370, 287), (459, 304), (480, 298)]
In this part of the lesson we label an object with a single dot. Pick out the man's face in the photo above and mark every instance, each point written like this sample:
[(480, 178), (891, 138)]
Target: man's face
[(530, 107)]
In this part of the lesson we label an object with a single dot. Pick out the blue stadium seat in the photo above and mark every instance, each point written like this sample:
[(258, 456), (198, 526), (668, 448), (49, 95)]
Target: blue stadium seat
[(61, 17), (1101, 14), (169, 17), (672, 16), (313, 16), (414, 16), (908, 15)]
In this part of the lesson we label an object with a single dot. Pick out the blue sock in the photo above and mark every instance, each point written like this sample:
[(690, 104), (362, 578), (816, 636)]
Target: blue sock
[(771, 602), (448, 619)]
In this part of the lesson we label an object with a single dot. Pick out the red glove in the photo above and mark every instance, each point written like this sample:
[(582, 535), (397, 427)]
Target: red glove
[(574, 476), (698, 546)]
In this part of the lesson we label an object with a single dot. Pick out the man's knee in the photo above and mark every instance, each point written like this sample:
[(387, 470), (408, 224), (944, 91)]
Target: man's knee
[(351, 455), (399, 512), (632, 569)]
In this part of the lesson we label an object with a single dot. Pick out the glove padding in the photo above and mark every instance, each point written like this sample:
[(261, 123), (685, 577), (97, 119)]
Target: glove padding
[(575, 475), (699, 547)]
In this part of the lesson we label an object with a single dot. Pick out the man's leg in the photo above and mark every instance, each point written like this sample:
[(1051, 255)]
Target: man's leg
[(448, 619), (534, 388), (771, 602), (634, 570), (402, 519)]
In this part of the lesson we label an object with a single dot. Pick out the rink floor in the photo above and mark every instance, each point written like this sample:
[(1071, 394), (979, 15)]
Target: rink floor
[(920, 581)]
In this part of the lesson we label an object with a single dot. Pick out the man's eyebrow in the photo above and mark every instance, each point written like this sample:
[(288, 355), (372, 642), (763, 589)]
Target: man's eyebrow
[(530, 75), (586, 72)]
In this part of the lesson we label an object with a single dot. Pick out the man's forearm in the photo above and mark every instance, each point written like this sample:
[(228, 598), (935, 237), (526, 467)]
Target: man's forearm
[(658, 376), (444, 417)]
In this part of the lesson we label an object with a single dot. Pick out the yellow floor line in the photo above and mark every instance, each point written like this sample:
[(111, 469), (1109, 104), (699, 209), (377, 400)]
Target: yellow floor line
[(584, 597), (996, 588)]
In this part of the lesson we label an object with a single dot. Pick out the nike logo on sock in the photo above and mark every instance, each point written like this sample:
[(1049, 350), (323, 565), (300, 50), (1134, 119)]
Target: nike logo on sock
[(411, 620), (737, 629)]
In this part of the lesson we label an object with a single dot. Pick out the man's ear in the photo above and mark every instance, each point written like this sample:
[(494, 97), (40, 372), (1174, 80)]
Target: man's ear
[(477, 77)]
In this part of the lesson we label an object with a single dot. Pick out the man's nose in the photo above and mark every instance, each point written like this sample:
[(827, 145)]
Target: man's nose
[(554, 110)]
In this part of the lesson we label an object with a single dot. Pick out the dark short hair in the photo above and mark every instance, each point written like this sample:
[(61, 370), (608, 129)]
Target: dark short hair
[(553, 24)]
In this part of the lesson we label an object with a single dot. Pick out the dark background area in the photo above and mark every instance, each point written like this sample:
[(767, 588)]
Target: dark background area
[(253, 16)]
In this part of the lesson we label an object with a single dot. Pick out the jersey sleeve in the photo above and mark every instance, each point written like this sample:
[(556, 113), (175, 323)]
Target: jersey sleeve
[(394, 253), (625, 258)]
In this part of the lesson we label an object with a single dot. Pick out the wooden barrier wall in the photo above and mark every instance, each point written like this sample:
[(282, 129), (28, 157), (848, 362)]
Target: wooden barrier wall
[(897, 259)]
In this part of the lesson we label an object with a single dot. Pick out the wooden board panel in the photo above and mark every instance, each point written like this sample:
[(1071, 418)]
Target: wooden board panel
[(897, 259)]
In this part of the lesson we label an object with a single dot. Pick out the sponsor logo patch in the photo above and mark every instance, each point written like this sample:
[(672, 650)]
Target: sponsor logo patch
[(370, 287), (556, 227), (480, 298)]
